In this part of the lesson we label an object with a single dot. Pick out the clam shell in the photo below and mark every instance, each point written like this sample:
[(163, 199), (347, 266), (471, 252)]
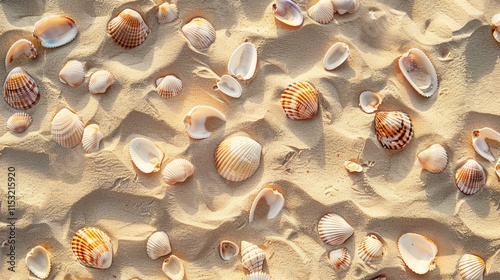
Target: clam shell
[(167, 13), (145, 155), (333, 229), (418, 252), (173, 268), (38, 262), (20, 90), (394, 129), (199, 32), (369, 101), (345, 6), (93, 248), (479, 137), (273, 198), (433, 159), (340, 258), (370, 248), (288, 12), (353, 166), (252, 257), (158, 245), (470, 178), (243, 61), (196, 118), (92, 136), (168, 86), (257, 276), (100, 80), (300, 101), (471, 267), (419, 72), (178, 170), (336, 55), (19, 122), (228, 249), (321, 11), (67, 128), (55, 31), (495, 21), (72, 74), (128, 29), (19, 48), (229, 86), (237, 158)]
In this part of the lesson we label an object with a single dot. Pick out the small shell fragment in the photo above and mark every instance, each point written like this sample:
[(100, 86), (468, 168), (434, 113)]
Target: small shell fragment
[(168, 86), (336, 55), (345, 6), (322, 11), (196, 118), (470, 178), (178, 170), (497, 168), (288, 12), (199, 32), (128, 29), (72, 74), (369, 101), (433, 159), (353, 166), (495, 21), (340, 258), (419, 72), (38, 262), (370, 248), (158, 245), (229, 86), (273, 198), (55, 31), (19, 122), (100, 80), (257, 276), (334, 230), (252, 257), (228, 250), (471, 267), (479, 137), (300, 101), (67, 128), (145, 155), (92, 136), (20, 90), (93, 248), (394, 129), (418, 252), (19, 48), (243, 61), (173, 268), (237, 158), (167, 13)]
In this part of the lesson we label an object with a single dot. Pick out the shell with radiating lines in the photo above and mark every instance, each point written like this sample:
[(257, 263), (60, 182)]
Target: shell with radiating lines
[(20, 90), (67, 128), (167, 13), (19, 122), (252, 257), (73, 73), (300, 101), (38, 262), (158, 245), (321, 11), (128, 29), (168, 86), (92, 136), (394, 129), (370, 248), (100, 80), (333, 229), (340, 258), (433, 159), (93, 248), (21, 47), (471, 267), (257, 276), (199, 32), (55, 31), (178, 170), (470, 178), (237, 158), (418, 252), (345, 6)]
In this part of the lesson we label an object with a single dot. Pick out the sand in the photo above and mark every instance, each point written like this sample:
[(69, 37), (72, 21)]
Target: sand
[(61, 190)]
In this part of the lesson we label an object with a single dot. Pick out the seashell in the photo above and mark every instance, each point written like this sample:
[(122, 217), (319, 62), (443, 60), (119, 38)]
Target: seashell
[(92, 136), (370, 248), (229, 86), (418, 252), (252, 257), (419, 72), (479, 137), (67, 128), (495, 21), (168, 86), (345, 6), (19, 122), (128, 29), (369, 101), (145, 155), (273, 198), (38, 262), (228, 249), (196, 118), (92, 247), (353, 166), (167, 13), (20, 90), (300, 101), (100, 80), (322, 11), (340, 258), (288, 12), (257, 276), (73, 73), (394, 129), (470, 178), (199, 32), (55, 31), (243, 61), (471, 267), (178, 170), (158, 245), (173, 268), (433, 159), (237, 158), (336, 55), (497, 168), (334, 230), (19, 48)]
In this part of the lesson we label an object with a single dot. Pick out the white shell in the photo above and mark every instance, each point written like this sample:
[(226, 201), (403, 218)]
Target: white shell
[(128, 29), (340, 258), (228, 249), (158, 245), (288, 12), (418, 252), (199, 32), (479, 137), (273, 198), (92, 136), (173, 268), (19, 48), (93, 248), (252, 257), (433, 159), (38, 262), (229, 86), (257, 276), (370, 248), (178, 170), (336, 55), (345, 6), (167, 13), (19, 122), (73, 73), (419, 72), (497, 168), (100, 80), (369, 101), (353, 166), (145, 155), (237, 158), (322, 11), (334, 230), (55, 31), (67, 128), (470, 178), (196, 118), (168, 86), (243, 61), (471, 267), (495, 21)]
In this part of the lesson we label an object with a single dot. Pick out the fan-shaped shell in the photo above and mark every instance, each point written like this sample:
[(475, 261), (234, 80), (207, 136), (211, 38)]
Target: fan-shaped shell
[(73, 73), (228, 249), (168, 86), (353, 166), (345, 6), (394, 129), (288, 12), (495, 21), (470, 178), (67, 128), (252, 257), (370, 248), (479, 137), (92, 136), (418, 252), (145, 155), (128, 29), (237, 158), (158, 245), (273, 198), (173, 268), (196, 118), (167, 13), (178, 170), (199, 32), (419, 72), (336, 55), (333, 229), (229, 86), (369, 101), (340, 258), (20, 90), (19, 122), (433, 159), (300, 101), (100, 80), (19, 48), (257, 276), (93, 248), (38, 262), (55, 31), (321, 11), (471, 267), (243, 61)]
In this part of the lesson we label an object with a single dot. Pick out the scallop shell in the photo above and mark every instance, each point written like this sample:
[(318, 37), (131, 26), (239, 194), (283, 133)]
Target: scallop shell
[(243, 61), (93, 248), (92, 136), (340, 258), (353, 166), (237, 158), (257, 276), (100, 80), (470, 178), (173, 268), (55, 31), (322, 11), (495, 21), (72, 74), (369, 101), (178, 170), (433, 159), (38, 262), (67, 128), (394, 129), (199, 32), (334, 230), (419, 72), (19, 122), (252, 257), (19, 48), (20, 90), (128, 29), (370, 248), (145, 155), (167, 13), (336, 55), (273, 198), (300, 101), (418, 252), (196, 118), (158, 245), (471, 267), (345, 6), (229, 86), (168, 86), (288, 12), (479, 137), (228, 249)]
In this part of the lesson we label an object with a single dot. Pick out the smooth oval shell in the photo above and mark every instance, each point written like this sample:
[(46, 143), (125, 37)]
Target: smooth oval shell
[(321, 12), (128, 29), (100, 80), (243, 61), (20, 90), (288, 12), (300, 101), (173, 268), (72, 74), (237, 158), (19, 48), (257, 276), (394, 129), (340, 258), (419, 72), (346, 6), (19, 122), (471, 267), (228, 249), (334, 230), (433, 159), (479, 137), (470, 178), (93, 248), (252, 257), (67, 128), (55, 31), (168, 86), (145, 155), (229, 86), (178, 170), (92, 136), (196, 118), (369, 101), (158, 245), (336, 55), (418, 252), (353, 166), (370, 248), (199, 32), (38, 262), (273, 198), (167, 13)]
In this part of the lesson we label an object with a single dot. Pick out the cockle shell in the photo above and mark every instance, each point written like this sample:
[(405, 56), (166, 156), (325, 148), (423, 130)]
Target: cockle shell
[(336, 55), (67, 128), (167, 13), (288, 12), (257, 276), (369, 101), (237, 158), (419, 72), (128, 29), (229, 86), (92, 136), (479, 137), (321, 11), (38, 262), (353, 166), (273, 198), (93, 248), (100, 80), (471, 267), (340, 258), (418, 252), (370, 248), (495, 21), (334, 230), (158, 245), (252, 257), (20, 90), (168, 86), (345, 6), (199, 32), (243, 61), (196, 118), (19, 122), (19, 48), (394, 129), (300, 101), (228, 249), (173, 268), (178, 170), (72, 74), (433, 159), (470, 178), (55, 31), (145, 155)]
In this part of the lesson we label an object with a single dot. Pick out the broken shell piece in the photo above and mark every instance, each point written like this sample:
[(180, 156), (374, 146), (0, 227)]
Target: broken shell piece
[(433, 159), (19, 122), (199, 32), (128, 29), (167, 13), (300, 101), (418, 252), (145, 155), (470, 178), (158, 245), (67, 128), (288, 12), (228, 249), (92, 136), (497, 168), (495, 21), (336, 55), (55, 31), (370, 248), (196, 118), (178, 170), (479, 137), (257, 276), (173, 268), (93, 248), (20, 90), (168, 86), (252, 257), (353, 166), (274, 199), (471, 267), (229, 86), (369, 101), (340, 258), (19, 48), (237, 158), (321, 12), (243, 61), (334, 230), (38, 262), (345, 6), (419, 72), (100, 80), (394, 129), (73, 73)]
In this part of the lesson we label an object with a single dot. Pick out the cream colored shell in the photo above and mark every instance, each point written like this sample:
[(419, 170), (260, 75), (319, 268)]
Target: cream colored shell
[(243, 61), (228, 250), (479, 137), (334, 230), (274, 200), (73, 73), (19, 122), (321, 11), (288, 12), (92, 136), (196, 118), (495, 21), (100, 80), (252, 257), (471, 267), (168, 86), (340, 258), (199, 32), (173, 268), (418, 252), (21, 47), (55, 31), (167, 13), (93, 248), (158, 245), (419, 72), (370, 248), (145, 155), (229, 86), (178, 170), (369, 101), (336, 55), (67, 128), (257, 276), (237, 158), (346, 6), (353, 166), (38, 262), (433, 159)]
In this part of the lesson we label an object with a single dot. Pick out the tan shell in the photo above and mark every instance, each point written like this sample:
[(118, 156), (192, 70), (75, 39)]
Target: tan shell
[(19, 48), (19, 122), (145, 155), (353, 166), (479, 137), (228, 249), (370, 248), (196, 118), (419, 72), (167, 13), (334, 230), (418, 252), (433, 159), (20, 90), (394, 129), (274, 200), (300, 101), (67, 128), (497, 168), (340, 258), (321, 11), (346, 6), (471, 267), (257, 276), (237, 158), (128, 29), (100, 80), (252, 257), (72, 74), (173, 268), (495, 21), (168, 86), (93, 248), (55, 31), (288, 12), (199, 32), (92, 136), (38, 262), (336, 55), (369, 101), (178, 170), (158, 245), (243, 61), (470, 178)]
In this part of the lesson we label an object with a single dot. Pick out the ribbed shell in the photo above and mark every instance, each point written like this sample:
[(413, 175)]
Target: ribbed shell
[(168, 86), (470, 178), (369, 101), (55, 31), (237, 158), (93, 248), (252, 257), (19, 48), (92, 136), (340, 258), (167, 13), (497, 168), (178, 170), (158, 245), (173, 268), (370, 248), (100, 80), (257, 276), (471, 267), (38, 262), (333, 229), (228, 249), (394, 129), (72, 74), (418, 252), (345, 6), (495, 21), (433, 159), (196, 118), (322, 11), (288, 12), (67, 128), (128, 29), (20, 90), (300, 101), (19, 122), (145, 155), (199, 32)]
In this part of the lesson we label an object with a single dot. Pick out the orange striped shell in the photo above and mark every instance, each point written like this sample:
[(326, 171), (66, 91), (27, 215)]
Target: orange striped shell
[(19, 122), (20, 90), (470, 178), (394, 129), (93, 248), (340, 258), (128, 29), (300, 101)]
